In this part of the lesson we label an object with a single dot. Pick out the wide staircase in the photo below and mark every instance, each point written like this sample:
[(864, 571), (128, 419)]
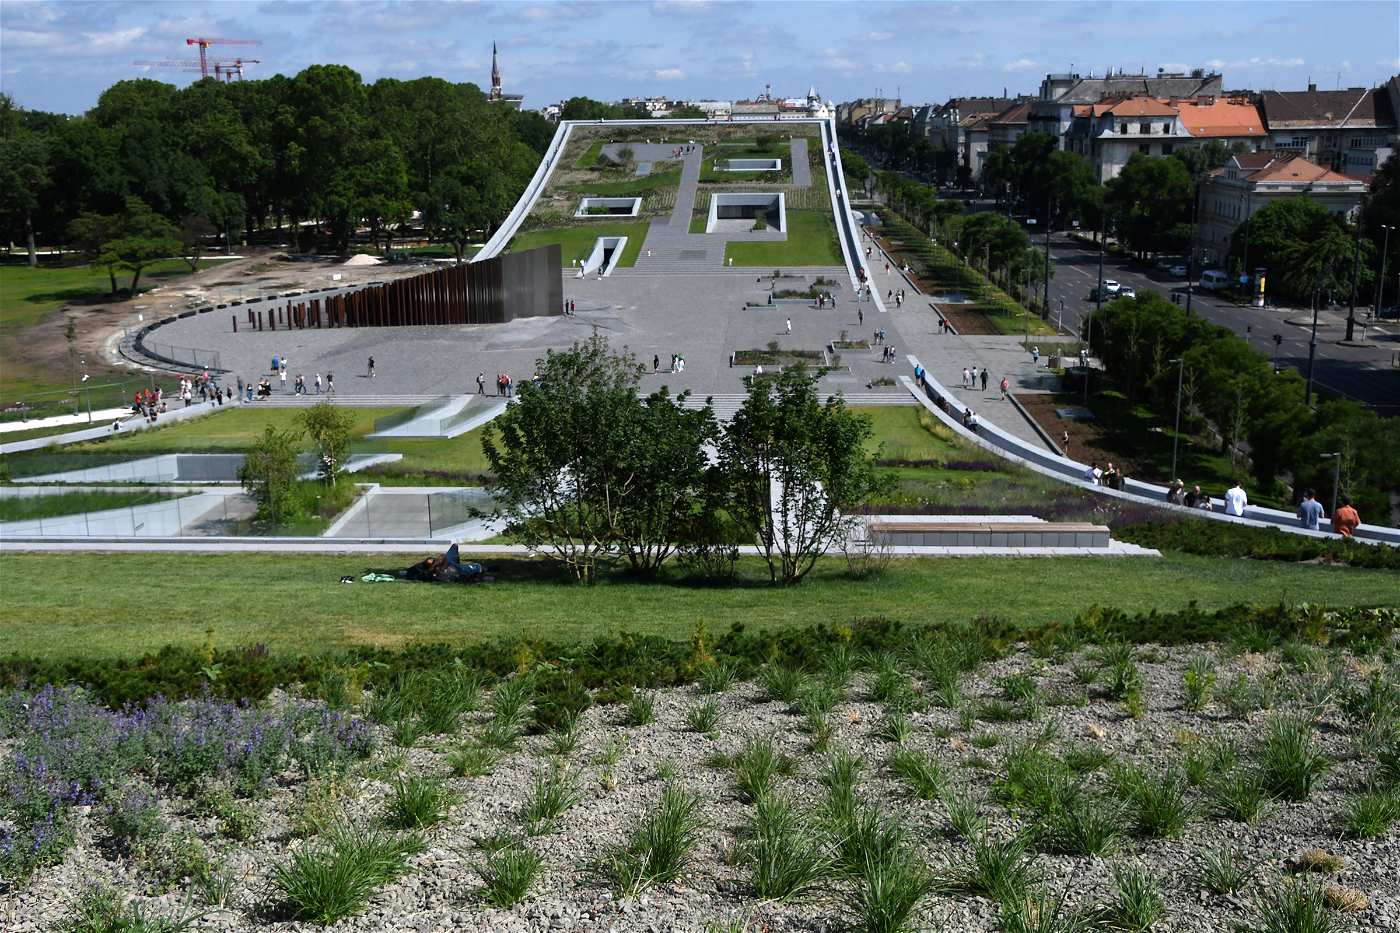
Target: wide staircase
[(726, 405)]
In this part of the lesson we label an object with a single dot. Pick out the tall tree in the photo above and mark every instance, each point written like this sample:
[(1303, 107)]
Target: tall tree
[(141, 236), (24, 172), (1151, 199), (794, 467)]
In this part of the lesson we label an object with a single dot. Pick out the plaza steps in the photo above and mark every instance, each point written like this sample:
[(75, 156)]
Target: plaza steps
[(343, 401)]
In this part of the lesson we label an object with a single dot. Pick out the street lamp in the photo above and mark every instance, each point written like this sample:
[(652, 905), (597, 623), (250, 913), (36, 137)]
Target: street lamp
[(1176, 429), (1380, 288), (1336, 475)]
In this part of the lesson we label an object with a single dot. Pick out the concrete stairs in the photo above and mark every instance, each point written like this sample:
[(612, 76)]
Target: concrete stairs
[(341, 401)]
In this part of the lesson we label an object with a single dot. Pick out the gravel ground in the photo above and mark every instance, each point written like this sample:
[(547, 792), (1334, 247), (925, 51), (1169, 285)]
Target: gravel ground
[(440, 892)]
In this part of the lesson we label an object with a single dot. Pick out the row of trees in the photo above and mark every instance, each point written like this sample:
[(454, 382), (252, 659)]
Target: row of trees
[(1231, 389), (1150, 207), (319, 146), (594, 475)]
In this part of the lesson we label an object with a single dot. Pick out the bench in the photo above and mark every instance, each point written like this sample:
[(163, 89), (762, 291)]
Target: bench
[(906, 533)]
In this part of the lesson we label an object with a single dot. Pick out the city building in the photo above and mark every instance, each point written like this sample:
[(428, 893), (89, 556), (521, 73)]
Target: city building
[(1006, 127), (851, 112), (1328, 126), (1251, 180), (496, 95), (1053, 111), (1109, 133)]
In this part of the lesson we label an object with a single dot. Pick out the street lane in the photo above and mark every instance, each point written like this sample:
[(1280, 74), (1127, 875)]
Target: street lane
[(1368, 374)]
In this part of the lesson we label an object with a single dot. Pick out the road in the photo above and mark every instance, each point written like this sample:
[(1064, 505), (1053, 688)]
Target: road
[(1366, 373)]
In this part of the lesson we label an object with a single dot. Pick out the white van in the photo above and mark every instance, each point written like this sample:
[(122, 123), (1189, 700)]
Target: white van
[(1214, 279)]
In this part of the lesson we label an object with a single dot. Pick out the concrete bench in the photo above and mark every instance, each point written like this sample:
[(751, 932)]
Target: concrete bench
[(990, 534)]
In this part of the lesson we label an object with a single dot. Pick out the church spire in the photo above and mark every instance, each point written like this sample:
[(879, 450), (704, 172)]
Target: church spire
[(495, 75)]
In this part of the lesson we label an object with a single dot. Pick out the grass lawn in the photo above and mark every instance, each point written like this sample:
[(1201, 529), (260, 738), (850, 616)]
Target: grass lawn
[(633, 186), (124, 604), (22, 508), (27, 294), (429, 461), (577, 242), (591, 154), (811, 241)]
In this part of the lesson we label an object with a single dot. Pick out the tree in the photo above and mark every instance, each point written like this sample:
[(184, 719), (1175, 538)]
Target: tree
[(1306, 248), (328, 428), (24, 172), (194, 229), (89, 232), (791, 465), (586, 473), (269, 474), (1151, 198), (1200, 161), (141, 236)]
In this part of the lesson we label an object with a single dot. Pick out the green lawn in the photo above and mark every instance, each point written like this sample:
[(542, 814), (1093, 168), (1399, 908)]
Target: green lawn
[(591, 154), (27, 294), (23, 508), (429, 461), (811, 241), (629, 186), (124, 604), (577, 242)]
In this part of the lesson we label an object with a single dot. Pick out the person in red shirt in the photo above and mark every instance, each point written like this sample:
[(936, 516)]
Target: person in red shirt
[(1345, 519)]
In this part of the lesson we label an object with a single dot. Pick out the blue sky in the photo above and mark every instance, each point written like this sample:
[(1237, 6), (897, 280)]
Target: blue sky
[(60, 55)]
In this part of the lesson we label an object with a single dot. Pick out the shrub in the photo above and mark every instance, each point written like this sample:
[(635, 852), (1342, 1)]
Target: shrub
[(1198, 681), (1288, 760), (1224, 871), (717, 677), (895, 727), (703, 717), (1293, 907), (890, 883), (507, 875), (335, 877), (640, 710), (1239, 794), (756, 766), (920, 773), (419, 801), (1159, 805), (1003, 870), (472, 760), (780, 684), (133, 821), (1219, 539), (1137, 901), (965, 816), (1371, 814), (659, 848), (1080, 824), (101, 910), (1041, 912), (554, 792), (790, 857), (236, 820)]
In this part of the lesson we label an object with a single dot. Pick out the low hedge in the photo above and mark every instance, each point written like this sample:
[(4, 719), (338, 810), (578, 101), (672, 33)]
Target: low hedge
[(1224, 539), (572, 676)]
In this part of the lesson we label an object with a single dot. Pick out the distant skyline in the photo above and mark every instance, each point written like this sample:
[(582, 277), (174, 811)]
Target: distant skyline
[(60, 56)]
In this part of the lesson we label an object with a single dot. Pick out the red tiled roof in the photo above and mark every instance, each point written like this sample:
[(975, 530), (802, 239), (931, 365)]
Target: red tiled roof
[(1140, 107), (1221, 118)]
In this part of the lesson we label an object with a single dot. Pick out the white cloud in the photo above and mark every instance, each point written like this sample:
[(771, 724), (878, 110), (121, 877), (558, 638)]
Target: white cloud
[(117, 39), (1243, 64), (1020, 64), (973, 60), (683, 7), (668, 74), (898, 68), (841, 63), (878, 36)]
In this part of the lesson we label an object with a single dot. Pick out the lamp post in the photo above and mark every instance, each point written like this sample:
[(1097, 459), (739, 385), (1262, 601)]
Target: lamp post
[(1380, 286), (1336, 476), (1180, 362), (1312, 344), (1355, 277), (1049, 211)]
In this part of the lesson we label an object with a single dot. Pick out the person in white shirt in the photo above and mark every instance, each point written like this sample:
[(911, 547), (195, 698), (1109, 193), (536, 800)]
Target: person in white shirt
[(1094, 474), (1235, 499)]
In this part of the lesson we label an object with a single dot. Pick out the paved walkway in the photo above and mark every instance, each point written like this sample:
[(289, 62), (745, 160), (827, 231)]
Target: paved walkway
[(801, 168), (913, 330)]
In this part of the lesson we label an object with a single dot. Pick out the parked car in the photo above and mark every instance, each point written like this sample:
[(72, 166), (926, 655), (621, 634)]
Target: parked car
[(1214, 279), (1177, 271), (1389, 314)]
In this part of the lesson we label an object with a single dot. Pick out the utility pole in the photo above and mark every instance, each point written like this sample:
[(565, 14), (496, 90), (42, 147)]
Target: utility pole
[(1176, 429), (1191, 254), (1336, 476), (1355, 277), (1312, 344), (1380, 285), (1045, 309)]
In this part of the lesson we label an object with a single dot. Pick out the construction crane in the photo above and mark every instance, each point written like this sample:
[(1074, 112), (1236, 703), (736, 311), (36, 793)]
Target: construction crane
[(173, 64), (230, 71), (204, 44)]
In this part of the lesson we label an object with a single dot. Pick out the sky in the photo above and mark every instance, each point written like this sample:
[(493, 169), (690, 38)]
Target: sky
[(59, 56)]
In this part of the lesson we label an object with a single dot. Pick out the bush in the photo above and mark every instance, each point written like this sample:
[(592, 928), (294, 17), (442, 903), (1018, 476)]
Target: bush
[(1224, 539), (334, 878), (659, 848), (507, 875)]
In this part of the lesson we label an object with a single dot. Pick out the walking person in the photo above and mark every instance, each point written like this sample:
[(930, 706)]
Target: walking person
[(1004, 386), (371, 367), (281, 375), (984, 379), (860, 317), (789, 325), (973, 383), (655, 362), (481, 383), (318, 383), (965, 376)]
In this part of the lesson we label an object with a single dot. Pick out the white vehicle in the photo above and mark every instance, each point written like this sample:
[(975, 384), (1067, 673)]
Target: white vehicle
[(1177, 272), (1127, 291), (1111, 287), (1214, 279)]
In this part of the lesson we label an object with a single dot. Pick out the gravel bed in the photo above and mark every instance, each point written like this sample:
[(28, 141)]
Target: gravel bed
[(440, 891)]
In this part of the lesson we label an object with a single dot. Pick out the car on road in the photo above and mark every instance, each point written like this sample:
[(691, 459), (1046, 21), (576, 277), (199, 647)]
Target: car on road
[(1389, 314), (1111, 287), (1177, 271), (1214, 279), (1126, 291)]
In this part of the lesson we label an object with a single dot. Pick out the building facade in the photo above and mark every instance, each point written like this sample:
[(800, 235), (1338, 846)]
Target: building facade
[(1053, 110), (1252, 180), (1331, 127)]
